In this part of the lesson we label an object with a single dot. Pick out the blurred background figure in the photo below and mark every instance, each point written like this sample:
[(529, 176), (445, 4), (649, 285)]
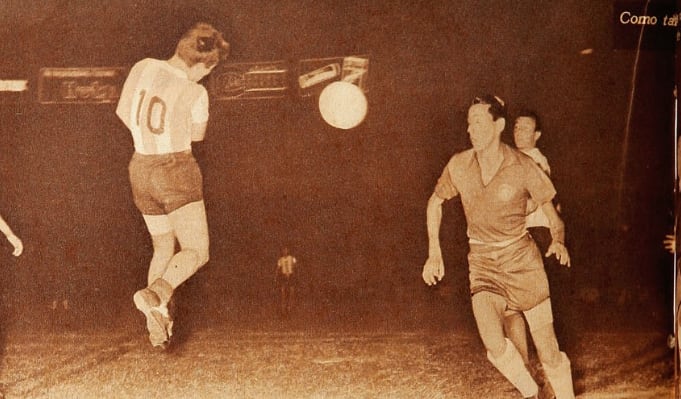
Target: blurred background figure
[(285, 279)]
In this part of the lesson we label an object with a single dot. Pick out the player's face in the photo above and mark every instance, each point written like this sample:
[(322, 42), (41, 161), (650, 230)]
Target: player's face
[(199, 71), (524, 133), (482, 129)]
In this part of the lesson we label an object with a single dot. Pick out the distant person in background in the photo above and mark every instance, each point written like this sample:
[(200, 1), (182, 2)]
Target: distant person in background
[(506, 271), (526, 133), (166, 109), (285, 277), (64, 287), (11, 237)]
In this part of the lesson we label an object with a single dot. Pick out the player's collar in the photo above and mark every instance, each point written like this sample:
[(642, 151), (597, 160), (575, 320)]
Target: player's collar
[(177, 71), (510, 156), (531, 151)]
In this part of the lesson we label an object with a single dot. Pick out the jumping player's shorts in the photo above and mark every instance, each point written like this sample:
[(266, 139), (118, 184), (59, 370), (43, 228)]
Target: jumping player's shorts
[(515, 272), (164, 183)]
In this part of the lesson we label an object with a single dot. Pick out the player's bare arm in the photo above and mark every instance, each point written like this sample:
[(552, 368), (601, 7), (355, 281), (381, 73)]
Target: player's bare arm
[(557, 228), (199, 131), (11, 237), (434, 269)]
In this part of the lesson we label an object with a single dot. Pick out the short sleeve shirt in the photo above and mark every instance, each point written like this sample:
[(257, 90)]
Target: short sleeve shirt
[(285, 265), (495, 212), (159, 105)]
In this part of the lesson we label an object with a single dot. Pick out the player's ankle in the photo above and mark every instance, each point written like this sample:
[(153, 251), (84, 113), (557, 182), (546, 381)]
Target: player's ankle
[(163, 289)]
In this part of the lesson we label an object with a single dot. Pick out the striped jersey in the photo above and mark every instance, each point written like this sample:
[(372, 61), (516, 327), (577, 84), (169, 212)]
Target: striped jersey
[(285, 265), (159, 105)]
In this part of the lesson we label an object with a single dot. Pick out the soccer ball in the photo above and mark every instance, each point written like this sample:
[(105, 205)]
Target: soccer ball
[(343, 105)]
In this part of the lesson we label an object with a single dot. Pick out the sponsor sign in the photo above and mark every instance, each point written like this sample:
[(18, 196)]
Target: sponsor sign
[(80, 85), (316, 73), (249, 81)]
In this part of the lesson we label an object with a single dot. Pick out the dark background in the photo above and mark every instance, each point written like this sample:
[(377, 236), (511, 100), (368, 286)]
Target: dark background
[(350, 204)]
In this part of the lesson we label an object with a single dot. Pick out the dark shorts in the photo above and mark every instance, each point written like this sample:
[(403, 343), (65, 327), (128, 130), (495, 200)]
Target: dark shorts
[(286, 281), (164, 183), (515, 272)]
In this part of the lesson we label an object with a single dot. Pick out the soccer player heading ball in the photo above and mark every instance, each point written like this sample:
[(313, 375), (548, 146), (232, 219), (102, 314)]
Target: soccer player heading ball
[(166, 110)]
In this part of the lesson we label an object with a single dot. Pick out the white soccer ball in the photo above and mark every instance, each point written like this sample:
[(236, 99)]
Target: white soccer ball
[(343, 105)]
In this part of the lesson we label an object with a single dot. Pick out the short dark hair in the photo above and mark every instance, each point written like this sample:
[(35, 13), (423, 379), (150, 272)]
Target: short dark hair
[(202, 43), (528, 113), (497, 107)]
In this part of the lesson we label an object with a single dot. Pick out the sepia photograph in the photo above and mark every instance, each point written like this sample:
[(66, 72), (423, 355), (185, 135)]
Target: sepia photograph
[(339, 199)]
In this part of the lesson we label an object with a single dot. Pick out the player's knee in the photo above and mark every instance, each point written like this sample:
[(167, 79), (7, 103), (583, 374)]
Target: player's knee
[(163, 244), (161, 258)]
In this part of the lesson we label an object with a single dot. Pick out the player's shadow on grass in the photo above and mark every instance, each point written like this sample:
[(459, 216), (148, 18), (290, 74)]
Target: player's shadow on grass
[(192, 308), (182, 323)]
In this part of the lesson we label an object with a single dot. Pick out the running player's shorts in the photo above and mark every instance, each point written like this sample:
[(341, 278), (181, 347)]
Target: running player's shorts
[(164, 183), (515, 272)]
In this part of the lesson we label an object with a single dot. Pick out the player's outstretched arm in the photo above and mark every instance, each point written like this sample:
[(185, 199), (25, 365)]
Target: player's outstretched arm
[(11, 237), (434, 269), (557, 228)]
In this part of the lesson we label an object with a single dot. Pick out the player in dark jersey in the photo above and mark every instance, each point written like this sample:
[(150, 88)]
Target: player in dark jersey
[(506, 271)]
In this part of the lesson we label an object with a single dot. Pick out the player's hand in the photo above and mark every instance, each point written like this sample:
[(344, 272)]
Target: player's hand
[(558, 249), (670, 243), (433, 270), (17, 244)]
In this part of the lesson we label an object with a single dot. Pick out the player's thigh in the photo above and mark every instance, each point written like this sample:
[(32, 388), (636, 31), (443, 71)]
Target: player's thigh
[(514, 326), (488, 309), (191, 226), (158, 225)]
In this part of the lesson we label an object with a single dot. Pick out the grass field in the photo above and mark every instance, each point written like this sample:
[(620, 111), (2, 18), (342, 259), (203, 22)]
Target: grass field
[(286, 359)]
